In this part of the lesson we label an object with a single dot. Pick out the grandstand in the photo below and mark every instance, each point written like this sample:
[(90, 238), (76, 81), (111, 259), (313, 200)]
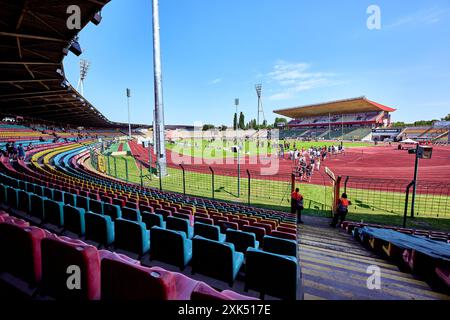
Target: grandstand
[(59, 208), (351, 119)]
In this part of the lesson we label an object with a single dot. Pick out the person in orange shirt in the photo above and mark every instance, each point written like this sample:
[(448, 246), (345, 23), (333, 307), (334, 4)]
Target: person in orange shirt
[(297, 204), (342, 210)]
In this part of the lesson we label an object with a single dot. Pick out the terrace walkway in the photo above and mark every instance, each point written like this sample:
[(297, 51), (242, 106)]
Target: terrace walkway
[(334, 267)]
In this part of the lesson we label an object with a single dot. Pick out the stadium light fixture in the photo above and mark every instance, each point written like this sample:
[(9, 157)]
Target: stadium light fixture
[(75, 47), (97, 18)]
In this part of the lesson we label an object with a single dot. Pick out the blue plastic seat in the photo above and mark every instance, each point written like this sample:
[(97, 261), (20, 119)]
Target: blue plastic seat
[(209, 232), (153, 220), (12, 195), (280, 246), (131, 214), (70, 199), (99, 229), (216, 259), (24, 201), (132, 236), (37, 207), (74, 220), (179, 224), (272, 274), (112, 211), (54, 212), (170, 246), (242, 240), (96, 206), (83, 202)]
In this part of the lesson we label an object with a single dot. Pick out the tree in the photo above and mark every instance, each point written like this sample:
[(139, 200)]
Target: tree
[(447, 118), (207, 127), (242, 121), (279, 121), (235, 122), (223, 128)]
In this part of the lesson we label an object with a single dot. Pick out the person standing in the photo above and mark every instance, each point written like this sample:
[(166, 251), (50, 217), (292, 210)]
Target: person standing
[(297, 205), (21, 152), (342, 210)]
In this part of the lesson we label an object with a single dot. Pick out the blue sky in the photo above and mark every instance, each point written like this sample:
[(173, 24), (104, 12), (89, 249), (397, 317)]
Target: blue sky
[(302, 52)]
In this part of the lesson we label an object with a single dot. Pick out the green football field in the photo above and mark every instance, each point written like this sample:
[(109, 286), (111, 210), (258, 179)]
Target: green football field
[(368, 206), (220, 149)]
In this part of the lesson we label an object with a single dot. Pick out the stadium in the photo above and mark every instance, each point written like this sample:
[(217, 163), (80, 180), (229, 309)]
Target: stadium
[(92, 209)]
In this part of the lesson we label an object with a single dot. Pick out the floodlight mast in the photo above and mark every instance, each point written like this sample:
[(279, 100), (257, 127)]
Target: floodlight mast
[(84, 69), (258, 88), (129, 113), (159, 105)]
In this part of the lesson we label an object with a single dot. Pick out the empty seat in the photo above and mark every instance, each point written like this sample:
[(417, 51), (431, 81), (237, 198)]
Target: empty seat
[(124, 279), (280, 246), (204, 220), (179, 224), (70, 199), (37, 207), (24, 201), (96, 206), (260, 233), (83, 202), (242, 240), (131, 214), (74, 220), (216, 259), (170, 246), (153, 220), (225, 225), (132, 236), (283, 235), (58, 195), (271, 274), (208, 231), (164, 213), (99, 228), (64, 257), (112, 211), (54, 212), (20, 250), (48, 193), (12, 197)]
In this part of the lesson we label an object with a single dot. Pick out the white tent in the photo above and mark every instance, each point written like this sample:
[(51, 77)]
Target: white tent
[(409, 141)]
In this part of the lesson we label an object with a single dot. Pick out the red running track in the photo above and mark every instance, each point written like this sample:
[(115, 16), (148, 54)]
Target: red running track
[(382, 162)]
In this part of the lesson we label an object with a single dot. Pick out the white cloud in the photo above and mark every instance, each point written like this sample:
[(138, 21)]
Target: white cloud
[(296, 77), (424, 17), (216, 81)]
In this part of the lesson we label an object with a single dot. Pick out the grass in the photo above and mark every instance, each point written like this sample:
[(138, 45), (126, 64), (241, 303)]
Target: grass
[(368, 206), (220, 149)]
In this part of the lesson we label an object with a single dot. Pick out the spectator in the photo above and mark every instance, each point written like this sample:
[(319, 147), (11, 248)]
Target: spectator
[(21, 152), (342, 210), (297, 204)]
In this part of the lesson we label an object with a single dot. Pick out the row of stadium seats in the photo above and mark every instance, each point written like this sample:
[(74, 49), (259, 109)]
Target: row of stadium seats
[(47, 262), (424, 265), (51, 155)]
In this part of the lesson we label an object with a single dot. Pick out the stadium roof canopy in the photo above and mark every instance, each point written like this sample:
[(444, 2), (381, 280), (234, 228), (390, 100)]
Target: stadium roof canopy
[(33, 36), (355, 105)]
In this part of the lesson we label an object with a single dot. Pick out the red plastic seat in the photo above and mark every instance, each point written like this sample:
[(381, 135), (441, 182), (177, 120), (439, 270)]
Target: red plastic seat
[(59, 255)]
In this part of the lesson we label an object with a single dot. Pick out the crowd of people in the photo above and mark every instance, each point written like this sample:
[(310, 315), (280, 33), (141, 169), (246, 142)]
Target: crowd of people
[(16, 152), (309, 160)]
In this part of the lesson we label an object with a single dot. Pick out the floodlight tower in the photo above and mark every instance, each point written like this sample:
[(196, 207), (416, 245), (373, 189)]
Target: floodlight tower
[(84, 68), (258, 88), (160, 146), (129, 115)]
